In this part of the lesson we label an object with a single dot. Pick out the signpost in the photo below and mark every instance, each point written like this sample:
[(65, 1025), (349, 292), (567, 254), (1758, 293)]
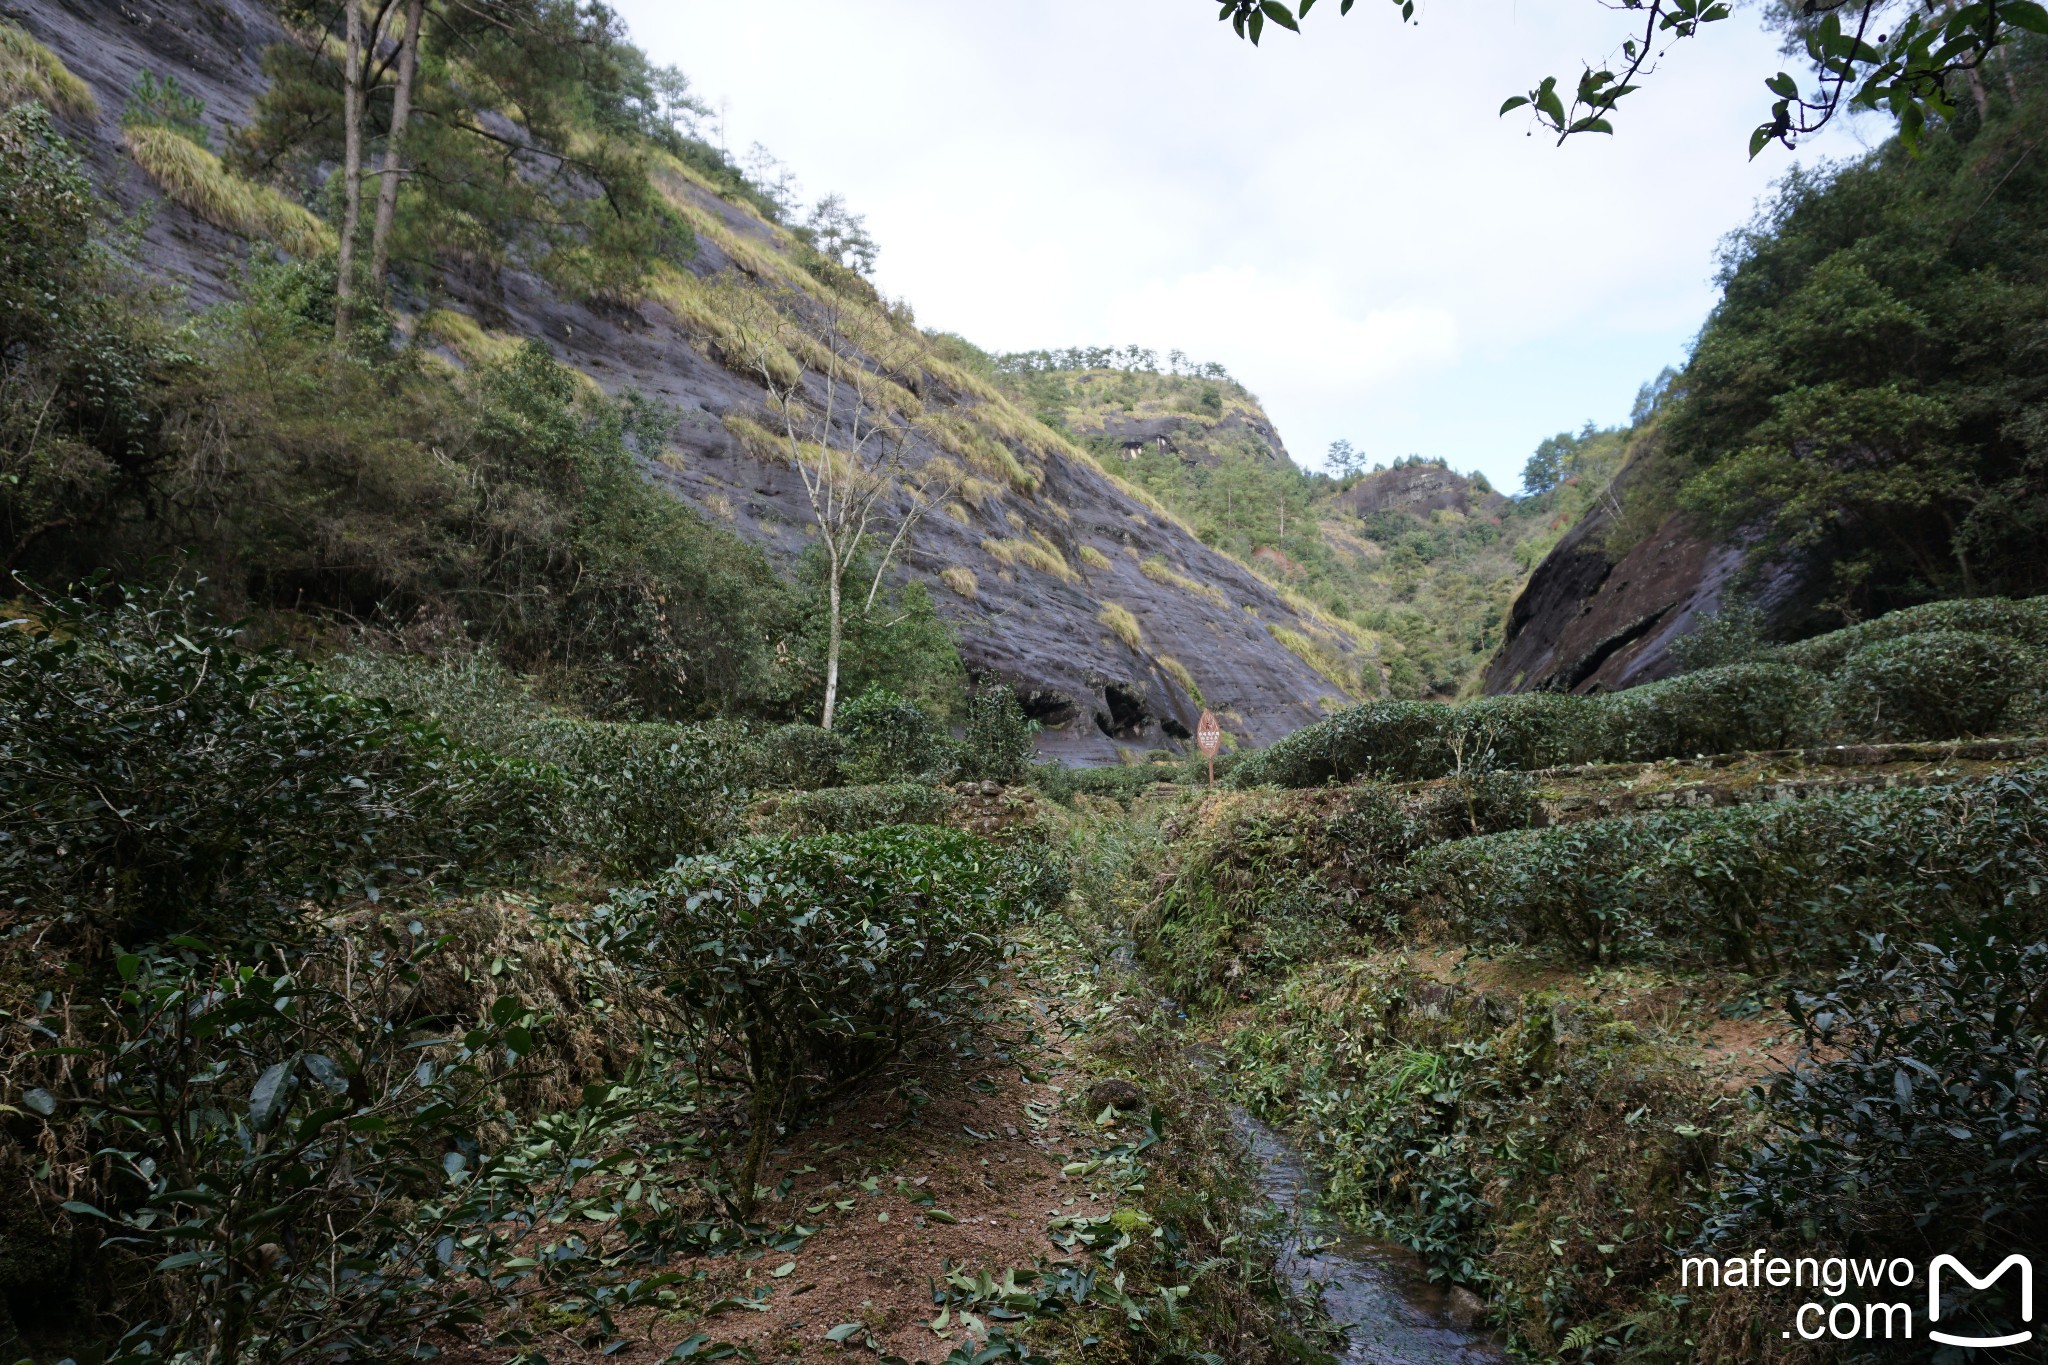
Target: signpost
[(1209, 735)]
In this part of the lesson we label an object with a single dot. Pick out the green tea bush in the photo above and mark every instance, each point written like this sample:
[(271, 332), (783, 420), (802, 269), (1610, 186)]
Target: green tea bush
[(818, 961), (1528, 730), (1772, 888), (155, 777), (2025, 621), (1935, 684), (1392, 739), (640, 795), (849, 810), (1000, 742), (468, 694), (891, 739), (1911, 1123), (1978, 664), (798, 758), (276, 1163), (1714, 711)]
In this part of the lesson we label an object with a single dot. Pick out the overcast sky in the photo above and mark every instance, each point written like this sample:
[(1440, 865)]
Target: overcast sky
[(1338, 218)]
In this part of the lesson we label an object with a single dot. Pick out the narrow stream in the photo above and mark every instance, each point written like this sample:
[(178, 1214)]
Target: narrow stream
[(1377, 1291)]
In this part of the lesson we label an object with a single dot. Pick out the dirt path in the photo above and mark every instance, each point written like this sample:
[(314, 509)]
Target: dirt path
[(959, 1166)]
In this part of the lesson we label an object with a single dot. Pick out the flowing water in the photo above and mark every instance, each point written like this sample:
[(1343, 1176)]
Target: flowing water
[(1394, 1316)]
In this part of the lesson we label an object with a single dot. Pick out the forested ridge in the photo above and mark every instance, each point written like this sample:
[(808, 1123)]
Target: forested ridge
[(505, 858)]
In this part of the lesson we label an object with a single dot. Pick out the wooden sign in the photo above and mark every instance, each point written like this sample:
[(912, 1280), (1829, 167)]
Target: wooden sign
[(1209, 735)]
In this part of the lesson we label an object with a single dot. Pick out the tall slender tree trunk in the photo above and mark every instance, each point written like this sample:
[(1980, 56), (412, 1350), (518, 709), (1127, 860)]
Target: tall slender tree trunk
[(834, 634), (401, 113), (351, 170)]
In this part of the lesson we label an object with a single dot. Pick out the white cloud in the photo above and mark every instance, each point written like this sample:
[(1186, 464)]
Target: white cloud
[(1340, 218), (1291, 334)]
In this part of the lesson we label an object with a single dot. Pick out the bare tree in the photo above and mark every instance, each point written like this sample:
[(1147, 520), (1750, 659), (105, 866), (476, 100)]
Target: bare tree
[(850, 450)]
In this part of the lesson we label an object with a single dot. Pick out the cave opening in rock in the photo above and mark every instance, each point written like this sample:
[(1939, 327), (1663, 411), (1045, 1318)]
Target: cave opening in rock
[(1127, 716), (1050, 709)]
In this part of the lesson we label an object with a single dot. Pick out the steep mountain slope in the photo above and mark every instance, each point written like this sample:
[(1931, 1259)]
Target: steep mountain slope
[(1048, 567)]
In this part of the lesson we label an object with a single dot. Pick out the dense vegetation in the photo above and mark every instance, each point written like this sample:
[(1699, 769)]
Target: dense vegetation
[(1938, 671), (1902, 458)]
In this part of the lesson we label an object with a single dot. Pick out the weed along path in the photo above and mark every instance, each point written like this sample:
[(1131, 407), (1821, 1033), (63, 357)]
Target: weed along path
[(1376, 1292)]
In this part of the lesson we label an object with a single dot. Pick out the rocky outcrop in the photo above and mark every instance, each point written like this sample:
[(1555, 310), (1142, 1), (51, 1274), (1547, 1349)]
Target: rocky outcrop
[(1592, 620), (1093, 689), (1419, 489)]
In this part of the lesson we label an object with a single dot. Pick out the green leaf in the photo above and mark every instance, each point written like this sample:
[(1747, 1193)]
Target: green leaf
[(1761, 138), (1592, 125), (1784, 86), (272, 1093), (940, 1216), (1514, 102), (843, 1331), (2024, 14), (1277, 12)]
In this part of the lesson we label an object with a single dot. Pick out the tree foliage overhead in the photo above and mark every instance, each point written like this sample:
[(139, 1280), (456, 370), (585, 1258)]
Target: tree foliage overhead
[(1893, 55)]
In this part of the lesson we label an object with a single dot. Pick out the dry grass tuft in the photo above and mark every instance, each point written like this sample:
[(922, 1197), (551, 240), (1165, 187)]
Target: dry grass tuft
[(30, 71), (1037, 553), (195, 177), (959, 514), (1346, 676), (1122, 624), (1094, 558), (1179, 672), (961, 581), (758, 441), (1159, 571)]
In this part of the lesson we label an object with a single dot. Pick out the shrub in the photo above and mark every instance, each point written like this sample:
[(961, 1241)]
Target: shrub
[(849, 810), (1935, 684), (890, 739), (1733, 635), (156, 777), (1529, 730), (1911, 1123), (641, 795), (228, 1137), (798, 757), (1531, 1146), (1768, 887), (469, 695), (1000, 741), (1121, 784), (2025, 620), (1714, 711), (818, 961), (1392, 739)]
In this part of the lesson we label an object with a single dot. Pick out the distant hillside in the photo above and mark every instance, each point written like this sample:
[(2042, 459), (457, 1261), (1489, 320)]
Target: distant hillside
[(1054, 571), (1420, 558)]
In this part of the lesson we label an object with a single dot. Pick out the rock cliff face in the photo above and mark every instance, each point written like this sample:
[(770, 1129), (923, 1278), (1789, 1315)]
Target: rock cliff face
[(1034, 564), (1419, 489), (1591, 619)]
